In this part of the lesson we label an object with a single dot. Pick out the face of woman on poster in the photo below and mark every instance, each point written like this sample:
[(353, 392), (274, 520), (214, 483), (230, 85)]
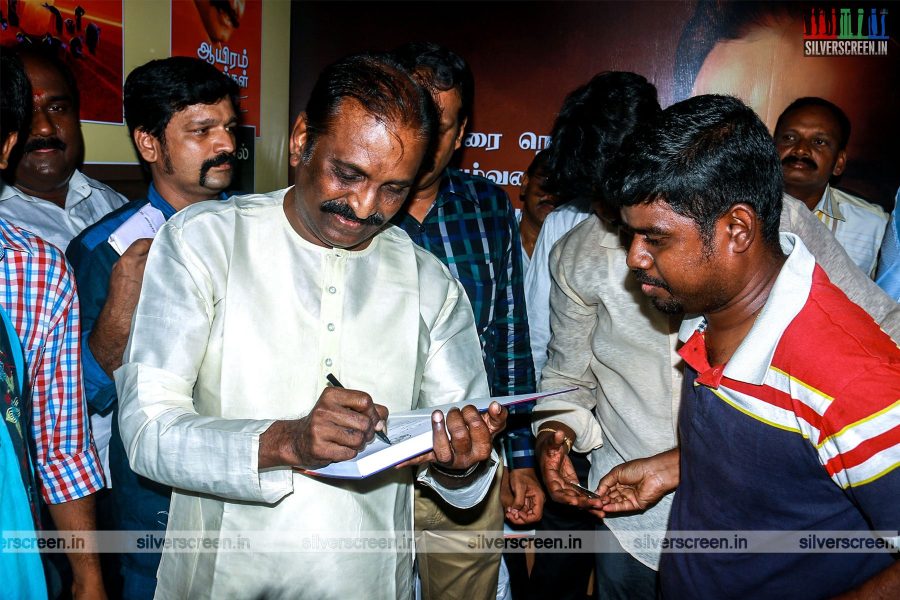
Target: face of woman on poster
[(220, 17)]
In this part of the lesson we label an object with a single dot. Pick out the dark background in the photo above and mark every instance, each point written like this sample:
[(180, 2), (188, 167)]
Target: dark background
[(526, 56)]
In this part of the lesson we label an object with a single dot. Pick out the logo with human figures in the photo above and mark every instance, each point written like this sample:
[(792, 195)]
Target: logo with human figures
[(845, 31)]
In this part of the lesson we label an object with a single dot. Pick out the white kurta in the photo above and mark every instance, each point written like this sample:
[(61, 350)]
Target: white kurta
[(238, 323)]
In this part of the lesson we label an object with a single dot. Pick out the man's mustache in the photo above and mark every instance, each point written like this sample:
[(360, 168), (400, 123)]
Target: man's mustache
[(790, 160), (44, 143), (642, 277), (343, 210), (226, 158)]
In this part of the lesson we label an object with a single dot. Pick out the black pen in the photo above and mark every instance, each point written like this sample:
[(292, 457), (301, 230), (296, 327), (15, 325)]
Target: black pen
[(335, 383)]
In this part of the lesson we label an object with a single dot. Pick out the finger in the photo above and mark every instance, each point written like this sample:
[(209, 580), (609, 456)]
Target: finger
[(517, 519), (539, 498), (442, 452), (418, 460), (479, 433), (460, 437), (615, 507), (354, 439), (519, 491), (495, 418), (357, 401), (139, 247), (350, 409), (382, 412)]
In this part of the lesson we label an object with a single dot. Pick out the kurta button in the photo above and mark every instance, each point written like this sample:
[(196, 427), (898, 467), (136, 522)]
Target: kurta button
[(331, 327), (332, 290), (327, 362)]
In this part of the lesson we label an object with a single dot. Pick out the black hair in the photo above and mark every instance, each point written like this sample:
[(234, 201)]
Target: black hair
[(155, 91), (15, 98), (50, 57), (715, 20), (590, 127), (839, 116), (382, 87), (439, 69), (539, 163), (701, 156)]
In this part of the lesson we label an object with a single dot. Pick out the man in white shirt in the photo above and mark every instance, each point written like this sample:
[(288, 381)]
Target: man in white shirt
[(47, 194), (247, 306), (537, 204), (811, 136)]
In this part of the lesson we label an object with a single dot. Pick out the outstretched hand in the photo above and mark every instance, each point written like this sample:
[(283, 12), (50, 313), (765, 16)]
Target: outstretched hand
[(552, 450), (639, 484)]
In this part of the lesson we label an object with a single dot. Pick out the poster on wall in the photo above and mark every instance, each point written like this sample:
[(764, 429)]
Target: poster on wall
[(226, 34), (86, 35)]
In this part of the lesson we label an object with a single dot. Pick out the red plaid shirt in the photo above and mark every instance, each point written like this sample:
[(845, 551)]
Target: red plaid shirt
[(38, 294)]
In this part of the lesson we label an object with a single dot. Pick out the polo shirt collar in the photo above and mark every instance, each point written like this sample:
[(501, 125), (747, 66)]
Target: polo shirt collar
[(751, 361), (829, 205)]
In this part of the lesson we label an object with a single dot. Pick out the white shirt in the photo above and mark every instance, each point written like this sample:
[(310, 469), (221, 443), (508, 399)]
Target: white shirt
[(537, 278), (239, 321), (87, 201), (858, 225)]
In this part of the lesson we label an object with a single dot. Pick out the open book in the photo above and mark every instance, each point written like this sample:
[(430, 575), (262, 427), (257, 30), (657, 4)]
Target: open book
[(410, 435)]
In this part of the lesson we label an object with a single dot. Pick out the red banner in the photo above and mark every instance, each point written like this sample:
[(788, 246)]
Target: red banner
[(224, 33), (86, 34)]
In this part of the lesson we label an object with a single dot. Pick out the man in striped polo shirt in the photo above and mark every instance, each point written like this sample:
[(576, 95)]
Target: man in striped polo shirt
[(790, 419)]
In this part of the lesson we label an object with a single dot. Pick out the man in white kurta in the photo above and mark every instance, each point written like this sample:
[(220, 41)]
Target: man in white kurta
[(242, 315)]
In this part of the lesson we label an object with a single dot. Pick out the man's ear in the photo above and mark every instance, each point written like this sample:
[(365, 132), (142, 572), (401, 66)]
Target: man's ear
[(147, 145), (741, 224), (8, 144), (523, 187), (840, 163), (462, 133), (298, 140)]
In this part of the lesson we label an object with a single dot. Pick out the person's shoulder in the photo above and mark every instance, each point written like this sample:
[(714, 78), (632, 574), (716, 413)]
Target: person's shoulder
[(429, 266), (833, 341), (587, 245), (482, 188), (36, 249), (105, 190), (566, 216), (848, 200), (232, 209)]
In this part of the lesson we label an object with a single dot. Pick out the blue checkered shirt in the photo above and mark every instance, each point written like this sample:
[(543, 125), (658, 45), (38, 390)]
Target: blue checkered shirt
[(472, 229)]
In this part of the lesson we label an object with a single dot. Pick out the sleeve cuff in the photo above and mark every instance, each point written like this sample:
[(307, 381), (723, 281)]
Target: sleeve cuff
[(468, 496), (71, 477), (588, 434), (99, 389)]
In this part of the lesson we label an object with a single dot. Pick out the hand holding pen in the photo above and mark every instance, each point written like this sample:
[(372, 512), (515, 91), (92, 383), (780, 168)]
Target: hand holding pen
[(337, 428), (380, 426)]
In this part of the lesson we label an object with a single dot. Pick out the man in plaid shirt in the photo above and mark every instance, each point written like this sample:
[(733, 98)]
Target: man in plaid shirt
[(38, 295), (470, 225)]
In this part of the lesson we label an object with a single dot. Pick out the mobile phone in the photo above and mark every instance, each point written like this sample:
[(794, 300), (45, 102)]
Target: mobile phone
[(583, 490)]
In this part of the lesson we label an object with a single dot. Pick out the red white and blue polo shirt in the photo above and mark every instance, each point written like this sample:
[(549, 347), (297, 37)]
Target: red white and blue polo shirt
[(799, 431)]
